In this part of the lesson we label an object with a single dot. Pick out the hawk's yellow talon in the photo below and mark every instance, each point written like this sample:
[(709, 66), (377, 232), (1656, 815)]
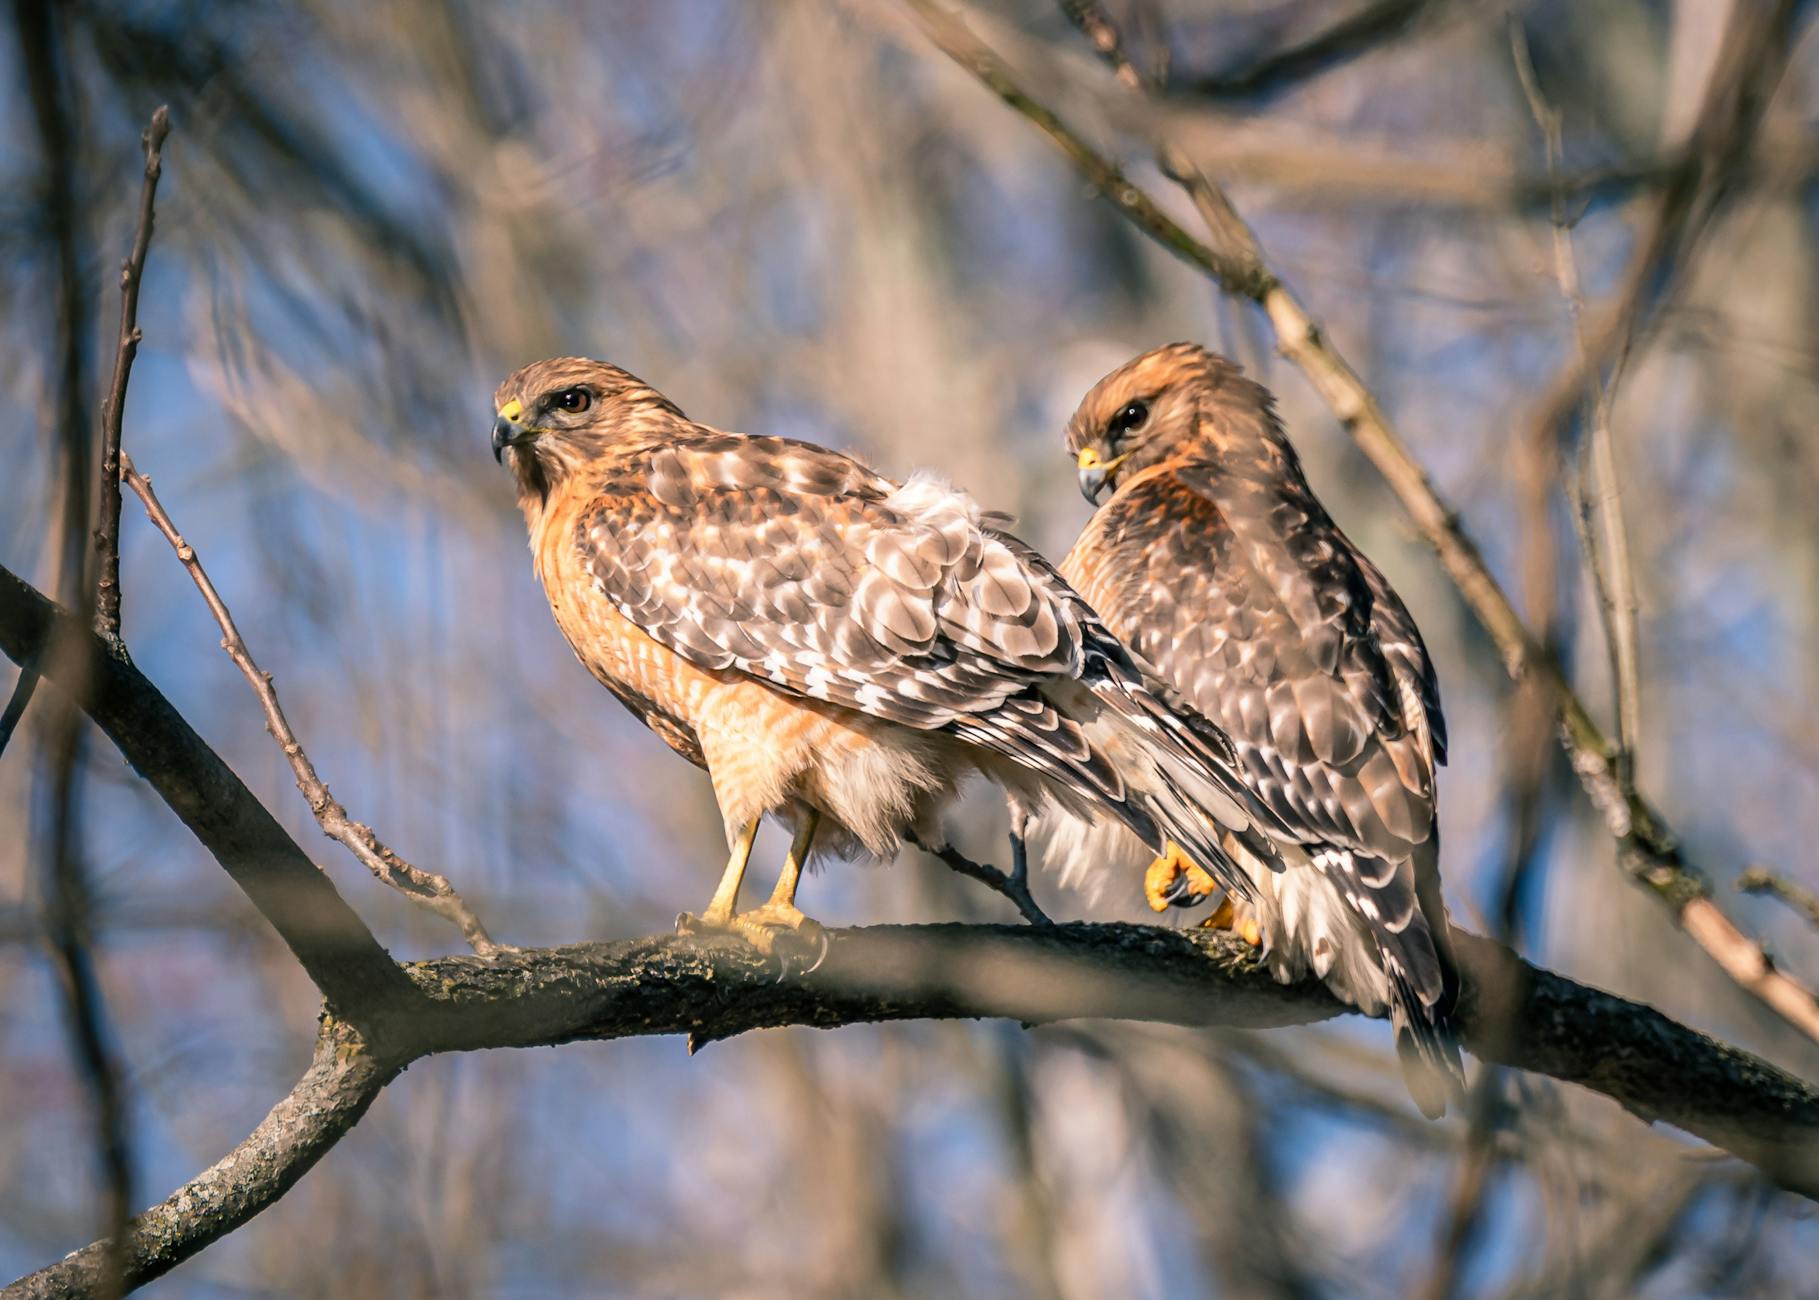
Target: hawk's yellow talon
[(763, 927), (1251, 932), (1224, 916), (1175, 880)]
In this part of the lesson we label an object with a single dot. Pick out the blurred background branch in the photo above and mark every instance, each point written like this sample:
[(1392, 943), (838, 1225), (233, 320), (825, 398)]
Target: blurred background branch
[(64, 890)]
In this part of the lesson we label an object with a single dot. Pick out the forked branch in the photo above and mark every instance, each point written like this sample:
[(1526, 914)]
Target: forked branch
[(426, 888)]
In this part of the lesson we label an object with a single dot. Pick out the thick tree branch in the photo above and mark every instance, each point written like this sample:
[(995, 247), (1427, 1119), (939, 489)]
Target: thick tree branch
[(425, 888), (1646, 847), (356, 975), (1512, 1013)]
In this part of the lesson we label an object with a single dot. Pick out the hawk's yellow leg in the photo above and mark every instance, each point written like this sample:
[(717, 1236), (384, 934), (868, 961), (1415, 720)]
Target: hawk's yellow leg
[(1175, 880), (762, 926), (726, 894), (784, 895)]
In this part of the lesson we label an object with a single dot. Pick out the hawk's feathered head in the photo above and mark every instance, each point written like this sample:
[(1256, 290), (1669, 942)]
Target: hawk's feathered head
[(1145, 409), (554, 415)]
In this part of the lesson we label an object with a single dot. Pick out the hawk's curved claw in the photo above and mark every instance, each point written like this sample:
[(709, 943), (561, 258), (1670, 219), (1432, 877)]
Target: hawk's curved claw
[(789, 942), (821, 956), (1175, 880), (821, 951), (785, 949), (1180, 892)]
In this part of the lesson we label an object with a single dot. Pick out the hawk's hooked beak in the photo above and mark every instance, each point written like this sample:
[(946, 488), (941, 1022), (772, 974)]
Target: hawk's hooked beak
[(1096, 472), (507, 431)]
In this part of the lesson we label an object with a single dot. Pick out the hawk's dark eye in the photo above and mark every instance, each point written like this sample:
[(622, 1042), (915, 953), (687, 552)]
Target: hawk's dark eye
[(572, 399), (1128, 418)]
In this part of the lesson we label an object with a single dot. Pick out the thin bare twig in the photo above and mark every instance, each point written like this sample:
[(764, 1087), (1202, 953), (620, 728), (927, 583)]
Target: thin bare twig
[(426, 888), (1760, 880), (1013, 884), (1620, 580), (1356, 34), (1613, 576), (113, 409), (1646, 847), (359, 980)]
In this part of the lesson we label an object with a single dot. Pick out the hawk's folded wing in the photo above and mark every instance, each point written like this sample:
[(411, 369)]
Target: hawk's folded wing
[(797, 565), (802, 568)]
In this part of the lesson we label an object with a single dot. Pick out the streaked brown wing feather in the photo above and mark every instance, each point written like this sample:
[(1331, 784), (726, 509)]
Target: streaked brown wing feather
[(801, 567), (786, 561), (1258, 610)]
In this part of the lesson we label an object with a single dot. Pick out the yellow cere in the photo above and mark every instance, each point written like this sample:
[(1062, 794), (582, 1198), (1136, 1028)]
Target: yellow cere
[(512, 410), (1089, 458)]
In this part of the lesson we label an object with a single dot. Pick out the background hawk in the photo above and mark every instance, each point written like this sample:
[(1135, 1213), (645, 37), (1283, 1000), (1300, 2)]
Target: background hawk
[(836, 648), (1214, 562)]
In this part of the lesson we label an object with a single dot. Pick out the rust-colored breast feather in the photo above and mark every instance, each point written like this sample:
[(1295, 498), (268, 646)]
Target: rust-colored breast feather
[(662, 689), (745, 730)]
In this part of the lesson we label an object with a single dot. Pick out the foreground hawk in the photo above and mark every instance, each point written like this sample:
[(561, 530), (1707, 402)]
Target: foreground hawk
[(1212, 560), (837, 649)]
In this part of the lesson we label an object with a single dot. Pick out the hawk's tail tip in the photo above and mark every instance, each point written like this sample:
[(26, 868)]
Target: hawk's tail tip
[(1428, 1050)]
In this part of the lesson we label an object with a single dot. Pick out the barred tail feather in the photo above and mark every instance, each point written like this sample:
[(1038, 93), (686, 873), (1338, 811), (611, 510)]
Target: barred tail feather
[(1396, 903), (1426, 1045)]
